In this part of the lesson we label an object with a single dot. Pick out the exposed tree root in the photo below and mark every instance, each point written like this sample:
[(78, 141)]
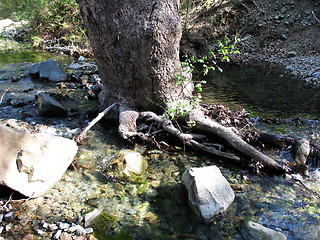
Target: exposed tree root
[(128, 129)]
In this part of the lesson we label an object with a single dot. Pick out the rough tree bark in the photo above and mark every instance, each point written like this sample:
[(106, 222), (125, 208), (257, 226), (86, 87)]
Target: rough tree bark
[(136, 46)]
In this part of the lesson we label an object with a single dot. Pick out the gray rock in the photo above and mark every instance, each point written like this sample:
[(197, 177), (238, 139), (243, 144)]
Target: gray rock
[(1, 230), (300, 151), (49, 107), (208, 190), (50, 70), (34, 68), (8, 217), (254, 231), (33, 163), (1, 217)]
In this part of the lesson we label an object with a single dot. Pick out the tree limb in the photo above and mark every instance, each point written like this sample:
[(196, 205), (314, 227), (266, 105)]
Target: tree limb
[(84, 131), (206, 124)]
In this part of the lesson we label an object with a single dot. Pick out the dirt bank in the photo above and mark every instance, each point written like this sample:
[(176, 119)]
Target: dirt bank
[(284, 32)]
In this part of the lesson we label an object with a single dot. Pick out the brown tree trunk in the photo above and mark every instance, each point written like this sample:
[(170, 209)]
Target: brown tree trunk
[(136, 46)]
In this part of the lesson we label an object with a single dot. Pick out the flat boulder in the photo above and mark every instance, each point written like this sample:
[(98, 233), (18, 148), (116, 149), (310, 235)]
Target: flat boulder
[(32, 163), (209, 192), (50, 70)]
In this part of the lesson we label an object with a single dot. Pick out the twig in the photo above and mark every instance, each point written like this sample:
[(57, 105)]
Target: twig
[(4, 94), (83, 133), (7, 202), (315, 16)]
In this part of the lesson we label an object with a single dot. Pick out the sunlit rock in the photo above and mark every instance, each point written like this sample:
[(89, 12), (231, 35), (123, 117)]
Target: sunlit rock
[(208, 190), (33, 163), (50, 70), (251, 230), (132, 162)]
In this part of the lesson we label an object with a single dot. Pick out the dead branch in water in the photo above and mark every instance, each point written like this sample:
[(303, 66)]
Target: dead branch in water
[(84, 131)]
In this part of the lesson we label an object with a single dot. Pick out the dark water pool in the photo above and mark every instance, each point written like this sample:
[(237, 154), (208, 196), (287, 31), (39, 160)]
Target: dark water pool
[(263, 91)]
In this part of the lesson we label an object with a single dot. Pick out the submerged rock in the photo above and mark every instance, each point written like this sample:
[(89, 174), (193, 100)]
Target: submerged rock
[(208, 190), (254, 231), (33, 163)]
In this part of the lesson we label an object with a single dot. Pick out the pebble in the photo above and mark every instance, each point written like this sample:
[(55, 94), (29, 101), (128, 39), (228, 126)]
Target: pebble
[(89, 230), (56, 236), (64, 226), (1, 229), (8, 217), (40, 232), (80, 231), (53, 227)]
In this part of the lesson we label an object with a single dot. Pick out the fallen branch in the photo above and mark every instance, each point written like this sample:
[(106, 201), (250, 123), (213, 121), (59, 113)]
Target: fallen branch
[(84, 131), (315, 16), (205, 124), (5, 91)]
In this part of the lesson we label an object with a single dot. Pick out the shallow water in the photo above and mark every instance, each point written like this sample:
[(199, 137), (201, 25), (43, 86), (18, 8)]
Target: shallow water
[(155, 205)]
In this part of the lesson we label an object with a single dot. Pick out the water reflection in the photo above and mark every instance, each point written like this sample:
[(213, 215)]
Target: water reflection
[(263, 91)]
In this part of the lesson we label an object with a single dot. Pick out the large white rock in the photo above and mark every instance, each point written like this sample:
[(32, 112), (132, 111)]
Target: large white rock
[(33, 163), (208, 190)]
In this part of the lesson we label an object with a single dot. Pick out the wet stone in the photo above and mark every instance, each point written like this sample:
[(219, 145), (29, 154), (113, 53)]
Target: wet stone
[(8, 217)]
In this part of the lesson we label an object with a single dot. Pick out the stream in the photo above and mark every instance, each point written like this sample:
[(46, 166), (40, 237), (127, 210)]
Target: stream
[(154, 206)]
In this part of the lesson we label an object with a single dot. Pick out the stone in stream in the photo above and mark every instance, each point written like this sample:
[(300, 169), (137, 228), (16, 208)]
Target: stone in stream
[(49, 107), (50, 70), (33, 163), (300, 153), (208, 191), (254, 231)]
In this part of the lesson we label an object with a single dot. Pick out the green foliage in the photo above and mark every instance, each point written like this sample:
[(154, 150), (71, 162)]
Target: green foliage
[(199, 67), (54, 19)]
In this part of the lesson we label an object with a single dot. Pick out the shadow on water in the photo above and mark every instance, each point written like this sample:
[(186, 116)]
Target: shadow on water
[(263, 91)]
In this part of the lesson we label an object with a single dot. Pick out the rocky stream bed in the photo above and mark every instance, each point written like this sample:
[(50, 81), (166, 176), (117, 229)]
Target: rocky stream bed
[(151, 206)]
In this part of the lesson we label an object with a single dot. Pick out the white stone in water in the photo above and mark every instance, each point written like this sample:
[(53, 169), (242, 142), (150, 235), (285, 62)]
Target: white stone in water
[(80, 231), (64, 226), (89, 230), (252, 230), (208, 190), (56, 236), (53, 227), (88, 218), (39, 232), (134, 162)]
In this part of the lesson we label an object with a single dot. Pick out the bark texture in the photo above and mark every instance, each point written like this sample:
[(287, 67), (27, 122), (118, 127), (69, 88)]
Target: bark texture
[(136, 46)]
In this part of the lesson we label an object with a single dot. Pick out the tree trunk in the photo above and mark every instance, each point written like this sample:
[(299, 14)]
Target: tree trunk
[(136, 46)]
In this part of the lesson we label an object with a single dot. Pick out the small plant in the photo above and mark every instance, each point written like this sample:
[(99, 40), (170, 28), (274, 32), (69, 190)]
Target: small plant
[(182, 108)]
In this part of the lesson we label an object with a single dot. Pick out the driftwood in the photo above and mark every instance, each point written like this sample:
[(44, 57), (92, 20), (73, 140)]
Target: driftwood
[(84, 131)]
